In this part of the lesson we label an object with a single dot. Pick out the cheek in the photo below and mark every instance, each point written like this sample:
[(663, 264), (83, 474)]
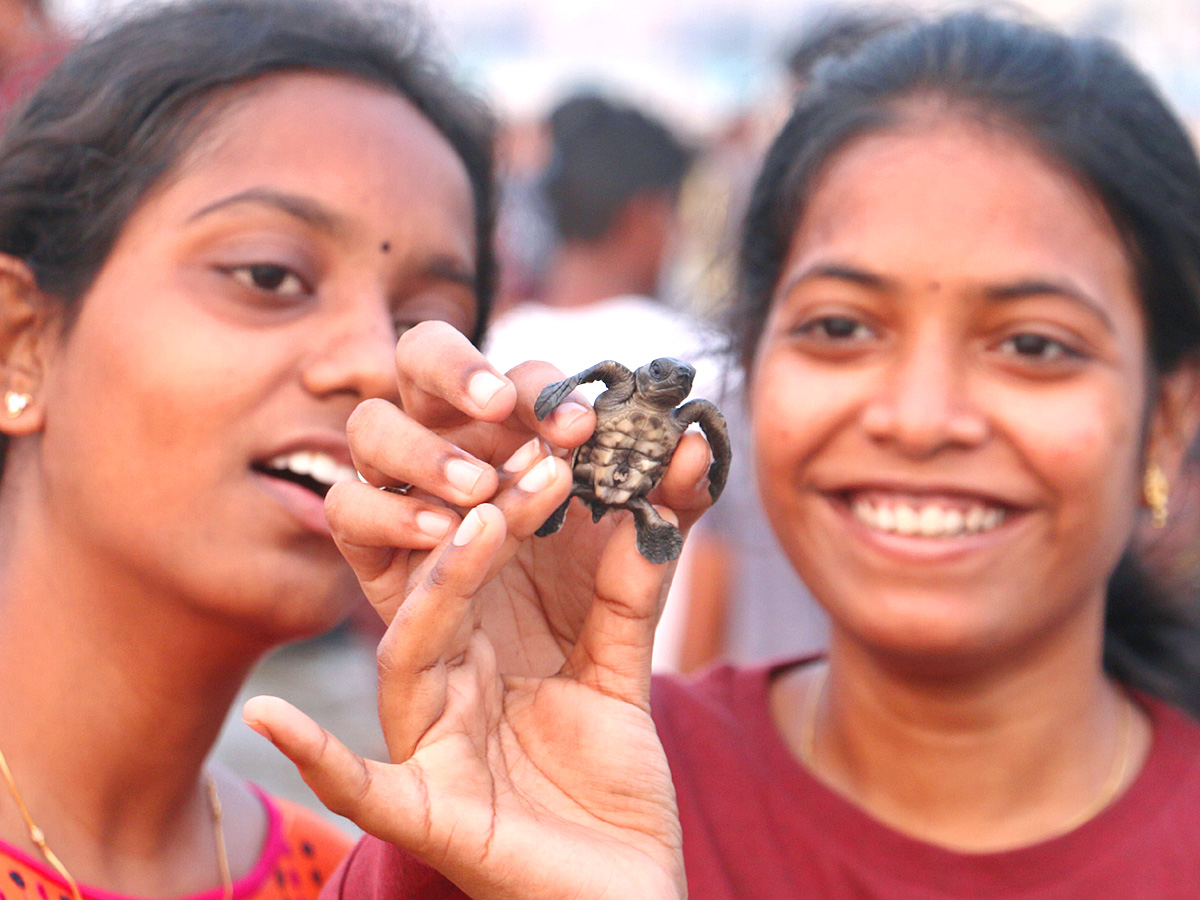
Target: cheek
[(797, 407), (1083, 446), (152, 390)]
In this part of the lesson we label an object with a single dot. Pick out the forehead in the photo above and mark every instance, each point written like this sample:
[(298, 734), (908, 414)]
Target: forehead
[(361, 149), (957, 198)]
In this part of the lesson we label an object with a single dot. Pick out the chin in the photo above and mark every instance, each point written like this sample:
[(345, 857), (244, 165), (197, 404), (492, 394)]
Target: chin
[(310, 601), (927, 633)]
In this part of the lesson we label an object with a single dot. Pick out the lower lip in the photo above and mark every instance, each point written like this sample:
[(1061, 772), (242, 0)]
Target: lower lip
[(305, 506), (925, 549)]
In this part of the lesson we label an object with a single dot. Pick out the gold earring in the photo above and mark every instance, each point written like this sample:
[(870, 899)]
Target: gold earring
[(1155, 490), (15, 403)]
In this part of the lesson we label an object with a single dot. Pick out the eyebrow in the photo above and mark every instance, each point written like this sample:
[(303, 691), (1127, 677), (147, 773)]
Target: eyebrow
[(303, 208), (841, 272), (1033, 287), (1016, 290)]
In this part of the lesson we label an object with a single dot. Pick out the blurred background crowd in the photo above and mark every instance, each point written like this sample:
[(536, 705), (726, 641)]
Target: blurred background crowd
[(630, 133)]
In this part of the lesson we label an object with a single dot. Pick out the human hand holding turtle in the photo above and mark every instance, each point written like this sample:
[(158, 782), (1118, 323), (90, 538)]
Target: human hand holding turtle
[(515, 671)]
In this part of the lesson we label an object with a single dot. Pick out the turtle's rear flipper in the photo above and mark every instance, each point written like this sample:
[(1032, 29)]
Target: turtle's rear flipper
[(555, 521), (657, 539), (598, 509)]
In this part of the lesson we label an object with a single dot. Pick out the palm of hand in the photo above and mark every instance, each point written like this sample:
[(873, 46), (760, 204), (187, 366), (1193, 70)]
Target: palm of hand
[(517, 769), (535, 607)]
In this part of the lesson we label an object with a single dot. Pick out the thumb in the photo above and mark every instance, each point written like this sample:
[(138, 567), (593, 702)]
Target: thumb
[(340, 778), (385, 800), (613, 652)]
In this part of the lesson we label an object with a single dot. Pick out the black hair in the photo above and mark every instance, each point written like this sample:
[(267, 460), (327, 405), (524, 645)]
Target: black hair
[(120, 111), (836, 32), (603, 154), (1082, 103)]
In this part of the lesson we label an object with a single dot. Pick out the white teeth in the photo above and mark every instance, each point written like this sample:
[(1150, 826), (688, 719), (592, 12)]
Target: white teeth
[(885, 519), (319, 466), (928, 520), (865, 512)]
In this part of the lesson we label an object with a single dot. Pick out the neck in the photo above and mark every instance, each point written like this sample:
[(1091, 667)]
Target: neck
[(586, 274), (982, 763), (108, 684)]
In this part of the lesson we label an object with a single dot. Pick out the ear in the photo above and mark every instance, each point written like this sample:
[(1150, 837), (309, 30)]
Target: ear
[(1176, 417), (29, 323)]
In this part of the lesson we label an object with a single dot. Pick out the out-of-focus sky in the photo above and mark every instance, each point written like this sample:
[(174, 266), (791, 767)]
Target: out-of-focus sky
[(697, 60)]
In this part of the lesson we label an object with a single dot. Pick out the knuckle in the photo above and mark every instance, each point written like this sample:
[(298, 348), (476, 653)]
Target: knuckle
[(366, 418)]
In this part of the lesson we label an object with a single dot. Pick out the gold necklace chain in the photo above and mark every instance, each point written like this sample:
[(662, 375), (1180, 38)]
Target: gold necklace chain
[(39, 838), (1112, 785)]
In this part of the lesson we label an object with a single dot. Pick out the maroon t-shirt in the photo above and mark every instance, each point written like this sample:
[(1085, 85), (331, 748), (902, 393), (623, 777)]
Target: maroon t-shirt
[(757, 826)]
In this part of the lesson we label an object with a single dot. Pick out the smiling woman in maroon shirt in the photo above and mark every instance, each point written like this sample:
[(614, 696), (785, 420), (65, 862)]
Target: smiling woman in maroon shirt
[(970, 315)]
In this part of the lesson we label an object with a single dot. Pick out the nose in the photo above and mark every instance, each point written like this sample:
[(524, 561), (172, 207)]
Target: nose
[(923, 401), (354, 354)]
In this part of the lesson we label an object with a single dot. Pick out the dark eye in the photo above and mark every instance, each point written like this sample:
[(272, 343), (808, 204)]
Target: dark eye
[(1037, 347), (836, 328), (269, 277)]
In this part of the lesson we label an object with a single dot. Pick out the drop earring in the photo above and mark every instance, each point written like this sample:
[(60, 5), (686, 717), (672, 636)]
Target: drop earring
[(1155, 490), (15, 403)]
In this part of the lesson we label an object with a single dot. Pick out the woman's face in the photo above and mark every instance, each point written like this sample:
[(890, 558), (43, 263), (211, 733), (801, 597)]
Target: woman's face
[(196, 412), (949, 394)]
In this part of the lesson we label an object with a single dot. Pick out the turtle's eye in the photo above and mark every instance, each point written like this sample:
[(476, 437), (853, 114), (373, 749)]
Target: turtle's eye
[(655, 370)]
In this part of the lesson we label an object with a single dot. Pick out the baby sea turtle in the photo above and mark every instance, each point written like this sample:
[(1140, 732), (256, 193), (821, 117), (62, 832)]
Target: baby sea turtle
[(637, 430)]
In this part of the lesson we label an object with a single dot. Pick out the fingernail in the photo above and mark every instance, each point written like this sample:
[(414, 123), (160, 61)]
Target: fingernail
[(538, 477), (470, 528), (434, 524), (524, 457), (463, 475), (568, 414), (257, 726), (482, 387)]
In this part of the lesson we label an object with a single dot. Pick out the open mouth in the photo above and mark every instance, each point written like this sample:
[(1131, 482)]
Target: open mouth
[(931, 517), (315, 471)]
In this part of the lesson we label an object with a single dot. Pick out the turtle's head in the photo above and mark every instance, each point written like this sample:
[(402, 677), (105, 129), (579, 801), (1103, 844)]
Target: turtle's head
[(665, 382)]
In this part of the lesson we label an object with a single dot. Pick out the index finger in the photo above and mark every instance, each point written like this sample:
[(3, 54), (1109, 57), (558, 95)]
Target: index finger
[(444, 378)]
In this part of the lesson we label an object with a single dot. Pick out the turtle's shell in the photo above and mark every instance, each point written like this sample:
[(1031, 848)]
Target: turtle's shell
[(628, 452)]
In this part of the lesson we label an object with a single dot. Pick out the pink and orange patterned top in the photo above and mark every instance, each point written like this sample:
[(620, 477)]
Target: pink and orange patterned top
[(300, 853)]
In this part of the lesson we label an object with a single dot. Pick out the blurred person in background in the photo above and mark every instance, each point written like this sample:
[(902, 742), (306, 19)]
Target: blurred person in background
[(30, 45), (741, 599), (970, 320), (215, 219), (611, 186)]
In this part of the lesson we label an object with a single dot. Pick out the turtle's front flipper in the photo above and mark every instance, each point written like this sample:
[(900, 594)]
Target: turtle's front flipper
[(712, 423), (614, 375), (657, 539)]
